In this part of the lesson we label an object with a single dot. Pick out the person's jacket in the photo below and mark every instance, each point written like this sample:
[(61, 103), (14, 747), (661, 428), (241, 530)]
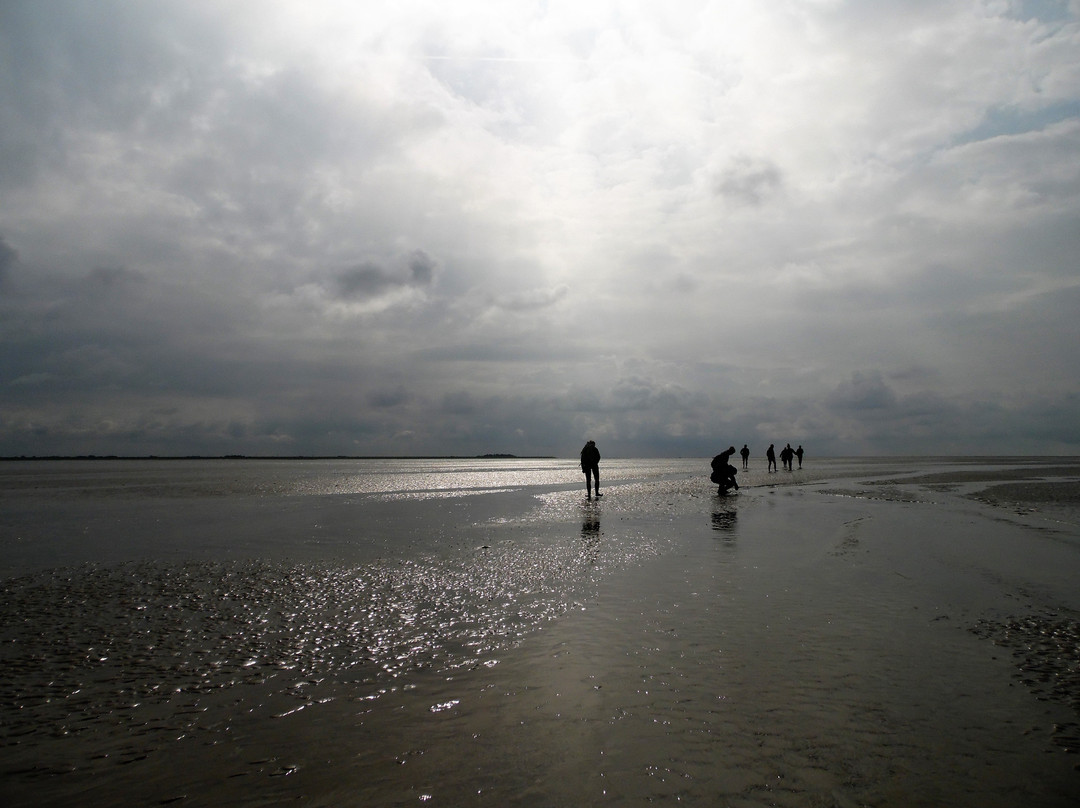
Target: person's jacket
[(590, 456)]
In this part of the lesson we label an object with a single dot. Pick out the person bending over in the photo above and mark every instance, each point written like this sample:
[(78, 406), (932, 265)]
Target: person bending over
[(723, 473)]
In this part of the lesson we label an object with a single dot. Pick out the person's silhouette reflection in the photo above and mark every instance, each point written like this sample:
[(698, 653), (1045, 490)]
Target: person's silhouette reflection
[(590, 534), (590, 527), (724, 522)]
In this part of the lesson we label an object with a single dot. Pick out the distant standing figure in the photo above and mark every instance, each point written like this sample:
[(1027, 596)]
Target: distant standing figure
[(745, 452), (799, 454), (590, 466), (770, 455), (785, 456)]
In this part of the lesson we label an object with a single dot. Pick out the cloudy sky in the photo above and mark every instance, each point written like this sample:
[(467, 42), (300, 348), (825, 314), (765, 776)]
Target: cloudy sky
[(411, 227)]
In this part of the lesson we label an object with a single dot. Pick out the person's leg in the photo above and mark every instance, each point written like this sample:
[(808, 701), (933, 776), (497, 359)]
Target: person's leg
[(596, 474)]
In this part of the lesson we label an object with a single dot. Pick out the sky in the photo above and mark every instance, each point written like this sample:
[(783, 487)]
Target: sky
[(431, 228)]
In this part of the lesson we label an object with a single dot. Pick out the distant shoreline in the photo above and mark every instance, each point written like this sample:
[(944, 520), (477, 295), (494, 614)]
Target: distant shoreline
[(280, 457), (990, 458)]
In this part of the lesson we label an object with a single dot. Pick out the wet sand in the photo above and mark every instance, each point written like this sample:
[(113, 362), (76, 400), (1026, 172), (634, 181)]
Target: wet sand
[(884, 641)]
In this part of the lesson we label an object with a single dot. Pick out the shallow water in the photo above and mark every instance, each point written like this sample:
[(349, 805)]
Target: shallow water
[(848, 635)]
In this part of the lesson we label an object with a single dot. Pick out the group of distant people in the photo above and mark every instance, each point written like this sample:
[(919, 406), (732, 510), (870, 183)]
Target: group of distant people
[(787, 456), (723, 473)]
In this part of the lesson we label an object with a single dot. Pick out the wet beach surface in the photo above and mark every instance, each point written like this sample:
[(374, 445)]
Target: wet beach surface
[(892, 638)]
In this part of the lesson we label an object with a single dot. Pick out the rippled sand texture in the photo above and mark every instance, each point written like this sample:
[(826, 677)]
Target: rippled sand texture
[(889, 640)]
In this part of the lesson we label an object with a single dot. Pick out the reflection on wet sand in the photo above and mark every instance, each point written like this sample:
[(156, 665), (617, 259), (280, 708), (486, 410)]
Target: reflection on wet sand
[(724, 521), (590, 523), (590, 532)]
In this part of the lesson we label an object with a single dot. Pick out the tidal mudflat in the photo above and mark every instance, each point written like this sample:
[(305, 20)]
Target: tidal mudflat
[(886, 633)]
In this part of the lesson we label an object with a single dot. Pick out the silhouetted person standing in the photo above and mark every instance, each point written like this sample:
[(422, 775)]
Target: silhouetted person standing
[(799, 454), (770, 455), (590, 466), (745, 452), (785, 456)]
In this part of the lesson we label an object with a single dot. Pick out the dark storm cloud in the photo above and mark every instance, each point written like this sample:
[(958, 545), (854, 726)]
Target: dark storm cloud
[(422, 268), (1043, 10), (1033, 334), (8, 256), (459, 402), (110, 277), (365, 280), (532, 299), (369, 279), (866, 390), (948, 288), (395, 397), (637, 393), (749, 180), (508, 351)]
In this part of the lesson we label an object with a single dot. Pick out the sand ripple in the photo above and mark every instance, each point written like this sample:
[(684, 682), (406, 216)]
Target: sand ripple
[(1046, 648)]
